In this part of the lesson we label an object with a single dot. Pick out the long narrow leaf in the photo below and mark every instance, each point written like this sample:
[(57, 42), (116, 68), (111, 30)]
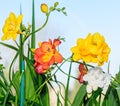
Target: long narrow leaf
[(33, 26), (9, 46), (29, 84), (3, 77), (45, 96), (93, 99), (111, 98), (78, 100), (16, 82), (118, 92), (67, 86)]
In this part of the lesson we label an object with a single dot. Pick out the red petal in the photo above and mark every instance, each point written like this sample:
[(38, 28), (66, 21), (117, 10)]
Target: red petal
[(58, 57), (56, 42), (39, 69), (80, 78)]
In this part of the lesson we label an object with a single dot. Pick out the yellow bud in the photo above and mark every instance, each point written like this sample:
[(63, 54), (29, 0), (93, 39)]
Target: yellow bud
[(33, 50), (44, 8)]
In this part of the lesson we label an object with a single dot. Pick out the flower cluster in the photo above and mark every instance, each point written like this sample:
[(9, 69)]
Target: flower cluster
[(91, 49), (97, 78), (12, 27), (47, 55)]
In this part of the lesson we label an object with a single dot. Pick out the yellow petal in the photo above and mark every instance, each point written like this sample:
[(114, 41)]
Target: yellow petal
[(44, 8)]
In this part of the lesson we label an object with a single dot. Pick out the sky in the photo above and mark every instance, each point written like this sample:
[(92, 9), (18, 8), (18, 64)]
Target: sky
[(83, 17)]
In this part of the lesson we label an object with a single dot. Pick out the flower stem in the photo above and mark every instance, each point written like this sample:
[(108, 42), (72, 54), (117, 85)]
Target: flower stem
[(67, 87), (66, 73), (21, 67), (33, 40), (38, 28)]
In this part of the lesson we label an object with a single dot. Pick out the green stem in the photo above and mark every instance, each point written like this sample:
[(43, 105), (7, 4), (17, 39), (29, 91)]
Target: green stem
[(67, 87), (46, 82), (10, 68), (33, 40), (85, 65), (21, 66), (66, 73), (40, 88), (68, 60), (6, 96), (38, 28)]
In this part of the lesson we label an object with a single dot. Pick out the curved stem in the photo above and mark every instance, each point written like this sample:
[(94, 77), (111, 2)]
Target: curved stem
[(11, 66), (40, 88), (68, 60), (66, 73), (6, 96), (16, 43), (38, 28)]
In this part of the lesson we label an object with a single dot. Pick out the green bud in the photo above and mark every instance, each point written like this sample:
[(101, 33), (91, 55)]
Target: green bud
[(23, 28), (65, 13), (56, 4), (58, 9), (63, 8), (52, 8)]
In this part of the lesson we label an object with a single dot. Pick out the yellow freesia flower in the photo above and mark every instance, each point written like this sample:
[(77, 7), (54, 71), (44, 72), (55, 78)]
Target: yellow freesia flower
[(91, 49), (44, 8), (11, 27)]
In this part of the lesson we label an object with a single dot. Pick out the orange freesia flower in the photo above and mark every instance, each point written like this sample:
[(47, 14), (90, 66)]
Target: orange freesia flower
[(83, 71), (12, 27), (47, 55)]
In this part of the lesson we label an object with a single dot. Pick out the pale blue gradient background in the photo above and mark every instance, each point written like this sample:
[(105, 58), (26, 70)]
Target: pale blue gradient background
[(84, 16)]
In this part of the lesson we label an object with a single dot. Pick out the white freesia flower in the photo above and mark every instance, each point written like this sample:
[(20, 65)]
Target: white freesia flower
[(89, 89), (96, 78)]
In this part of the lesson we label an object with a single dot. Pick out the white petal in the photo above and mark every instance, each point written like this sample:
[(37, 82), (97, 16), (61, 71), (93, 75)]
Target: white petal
[(89, 89), (95, 87)]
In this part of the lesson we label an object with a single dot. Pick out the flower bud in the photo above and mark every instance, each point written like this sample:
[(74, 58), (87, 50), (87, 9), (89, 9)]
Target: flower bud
[(44, 8)]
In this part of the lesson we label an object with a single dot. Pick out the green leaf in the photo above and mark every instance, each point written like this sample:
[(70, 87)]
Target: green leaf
[(1, 67), (3, 77), (78, 100), (2, 94), (111, 98), (118, 75), (9, 46), (32, 71), (29, 84), (16, 82), (45, 96), (2, 85), (118, 92), (93, 99)]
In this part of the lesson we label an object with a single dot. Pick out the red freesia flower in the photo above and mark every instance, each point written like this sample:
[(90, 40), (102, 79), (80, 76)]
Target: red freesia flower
[(83, 71), (47, 55)]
